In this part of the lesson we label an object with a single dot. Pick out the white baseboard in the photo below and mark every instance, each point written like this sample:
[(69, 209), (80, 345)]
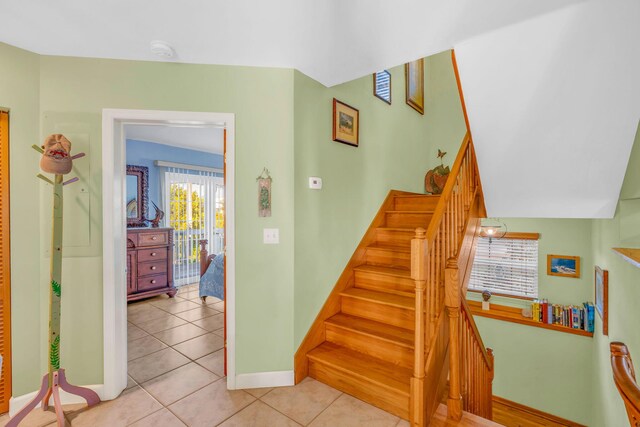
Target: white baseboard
[(18, 402), (265, 379)]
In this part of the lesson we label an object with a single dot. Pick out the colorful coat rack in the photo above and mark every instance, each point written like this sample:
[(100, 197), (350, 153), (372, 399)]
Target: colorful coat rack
[(56, 159)]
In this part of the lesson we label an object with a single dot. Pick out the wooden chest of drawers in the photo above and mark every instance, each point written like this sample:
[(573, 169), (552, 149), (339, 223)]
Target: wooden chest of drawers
[(149, 262)]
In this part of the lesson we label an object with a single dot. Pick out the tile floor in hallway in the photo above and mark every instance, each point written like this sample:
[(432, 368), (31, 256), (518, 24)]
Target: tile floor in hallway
[(176, 379)]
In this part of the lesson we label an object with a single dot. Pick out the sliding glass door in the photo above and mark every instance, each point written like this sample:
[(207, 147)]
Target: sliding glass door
[(194, 202)]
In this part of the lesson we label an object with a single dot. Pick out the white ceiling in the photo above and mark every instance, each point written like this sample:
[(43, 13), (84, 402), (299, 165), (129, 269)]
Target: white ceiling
[(207, 139), (557, 117), (552, 86), (332, 41)]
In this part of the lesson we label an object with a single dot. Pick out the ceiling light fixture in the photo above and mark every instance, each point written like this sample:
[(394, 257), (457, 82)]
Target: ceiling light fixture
[(493, 228), (162, 49)]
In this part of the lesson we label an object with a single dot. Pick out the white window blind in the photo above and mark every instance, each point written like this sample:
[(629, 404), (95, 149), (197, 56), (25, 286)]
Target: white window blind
[(506, 266), (194, 206)]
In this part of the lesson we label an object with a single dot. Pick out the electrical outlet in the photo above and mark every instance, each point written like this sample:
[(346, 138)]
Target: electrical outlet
[(271, 236)]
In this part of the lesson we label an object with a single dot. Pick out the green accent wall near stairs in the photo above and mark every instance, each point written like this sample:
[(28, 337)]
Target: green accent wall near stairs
[(624, 295), (538, 367), (397, 147)]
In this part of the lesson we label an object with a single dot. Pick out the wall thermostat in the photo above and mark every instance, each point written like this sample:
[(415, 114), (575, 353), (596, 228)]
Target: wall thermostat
[(315, 183)]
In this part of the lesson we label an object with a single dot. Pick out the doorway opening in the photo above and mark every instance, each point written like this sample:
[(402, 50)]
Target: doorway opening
[(188, 203)]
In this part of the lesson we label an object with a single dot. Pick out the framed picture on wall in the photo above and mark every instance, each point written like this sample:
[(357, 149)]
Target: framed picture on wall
[(563, 266), (346, 123), (414, 84), (602, 297)]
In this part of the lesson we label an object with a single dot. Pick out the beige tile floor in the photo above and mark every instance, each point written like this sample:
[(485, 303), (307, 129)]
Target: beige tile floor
[(176, 378)]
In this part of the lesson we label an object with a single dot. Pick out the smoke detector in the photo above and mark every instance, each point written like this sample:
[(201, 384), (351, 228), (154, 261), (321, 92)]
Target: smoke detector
[(162, 49)]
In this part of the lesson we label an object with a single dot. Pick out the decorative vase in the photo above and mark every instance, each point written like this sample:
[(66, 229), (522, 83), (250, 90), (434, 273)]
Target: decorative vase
[(436, 179)]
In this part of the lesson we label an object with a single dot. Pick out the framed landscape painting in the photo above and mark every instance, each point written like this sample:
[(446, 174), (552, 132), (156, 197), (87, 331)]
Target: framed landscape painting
[(602, 297), (414, 82), (563, 265), (346, 123)]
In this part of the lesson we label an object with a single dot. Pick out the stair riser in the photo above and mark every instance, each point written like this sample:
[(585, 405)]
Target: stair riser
[(375, 394), (408, 220), (381, 282), (390, 315), (386, 257), (373, 346), (395, 237), (418, 203)]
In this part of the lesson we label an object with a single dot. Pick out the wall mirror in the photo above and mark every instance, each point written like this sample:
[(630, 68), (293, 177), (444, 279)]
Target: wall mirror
[(137, 197)]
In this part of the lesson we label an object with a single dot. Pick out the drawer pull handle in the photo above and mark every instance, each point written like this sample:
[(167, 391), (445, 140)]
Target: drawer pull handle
[(153, 254), (153, 267), (153, 282), (154, 238)]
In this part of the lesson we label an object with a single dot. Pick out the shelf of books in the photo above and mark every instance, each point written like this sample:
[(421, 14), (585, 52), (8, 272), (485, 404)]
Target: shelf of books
[(569, 319)]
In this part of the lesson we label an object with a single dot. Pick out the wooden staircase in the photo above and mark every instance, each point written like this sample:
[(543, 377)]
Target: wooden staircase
[(395, 328), (369, 345)]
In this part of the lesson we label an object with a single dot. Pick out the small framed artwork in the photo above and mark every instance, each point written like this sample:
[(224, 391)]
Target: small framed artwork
[(264, 193), (602, 297), (414, 84), (382, 86), (346, 123), (564, 266)]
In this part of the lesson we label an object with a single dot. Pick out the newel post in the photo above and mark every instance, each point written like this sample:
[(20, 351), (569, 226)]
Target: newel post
[(419, 276), (452, 305)]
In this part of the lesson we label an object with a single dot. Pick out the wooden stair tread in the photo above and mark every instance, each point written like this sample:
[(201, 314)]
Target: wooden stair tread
[(384, 298), (388, 247), (378, 371), (414, 195), (410, 212), (401, 229), (387, 271), (397, 335)]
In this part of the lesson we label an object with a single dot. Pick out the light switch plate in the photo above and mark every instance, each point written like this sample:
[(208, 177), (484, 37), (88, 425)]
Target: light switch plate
[(271, 236), (315, 183)]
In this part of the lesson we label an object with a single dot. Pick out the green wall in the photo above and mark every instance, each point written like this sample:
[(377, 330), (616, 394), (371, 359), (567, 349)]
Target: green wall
[(57, 94), (624, 294), (397, 146), (283, 122), (529, 360), (274, 108), (20, 92)]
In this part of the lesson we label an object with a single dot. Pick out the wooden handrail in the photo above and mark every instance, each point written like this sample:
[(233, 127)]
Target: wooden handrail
[(624, 377), (439, 285), (447, 191)]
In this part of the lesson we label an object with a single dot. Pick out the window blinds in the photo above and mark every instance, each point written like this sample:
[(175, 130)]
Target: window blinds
[(506, 266), (194, 203)]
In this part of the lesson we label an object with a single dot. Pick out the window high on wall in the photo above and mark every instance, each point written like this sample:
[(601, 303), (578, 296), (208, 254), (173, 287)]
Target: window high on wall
[(506, 266)]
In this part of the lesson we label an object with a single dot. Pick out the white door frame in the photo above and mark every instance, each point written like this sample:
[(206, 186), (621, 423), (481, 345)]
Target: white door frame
[(114, 234)]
